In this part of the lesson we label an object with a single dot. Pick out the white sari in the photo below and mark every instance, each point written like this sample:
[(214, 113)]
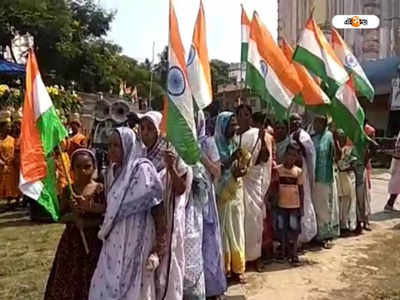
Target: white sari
[(255, 186), (128, 228), (309, 226)]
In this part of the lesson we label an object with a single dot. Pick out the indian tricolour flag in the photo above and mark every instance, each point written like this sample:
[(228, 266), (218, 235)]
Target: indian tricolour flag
[(312, 94), (198, 64), (180, 124), (343, 52), (41, 132), (315, 53), (269, 73), (348, 115), (245, 35)]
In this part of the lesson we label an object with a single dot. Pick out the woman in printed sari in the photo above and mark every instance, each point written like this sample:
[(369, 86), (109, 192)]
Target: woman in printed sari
[(346, 185), (325, 189), (212, 248), (230, 197), (128, 259), (176, 177)]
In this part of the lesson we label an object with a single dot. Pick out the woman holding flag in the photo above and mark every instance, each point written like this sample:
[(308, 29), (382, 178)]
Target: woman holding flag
[(230, 197), (176, 177)]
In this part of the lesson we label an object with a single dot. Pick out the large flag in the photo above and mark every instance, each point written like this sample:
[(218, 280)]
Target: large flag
[(312, 94), (41, 132), (343, 52), (181, 127), (245, 35), (198, 65), (269, 73), (315, 53), (349, 115)]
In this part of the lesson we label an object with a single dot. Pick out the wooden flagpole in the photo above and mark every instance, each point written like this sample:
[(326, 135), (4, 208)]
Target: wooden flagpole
[(84, 241)]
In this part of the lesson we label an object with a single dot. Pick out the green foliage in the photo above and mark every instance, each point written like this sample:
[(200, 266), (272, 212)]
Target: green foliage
[(219, 74)]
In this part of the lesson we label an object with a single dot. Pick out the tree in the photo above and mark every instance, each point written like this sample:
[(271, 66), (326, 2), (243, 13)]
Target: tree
[(219, 74)]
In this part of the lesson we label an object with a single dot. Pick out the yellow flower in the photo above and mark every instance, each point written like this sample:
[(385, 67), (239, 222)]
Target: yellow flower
[(3, 89)]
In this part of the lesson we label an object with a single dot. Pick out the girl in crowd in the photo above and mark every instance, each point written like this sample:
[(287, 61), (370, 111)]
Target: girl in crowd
[(127, 262), (212, 248), (230, 197), (72, 267), (176, 177)]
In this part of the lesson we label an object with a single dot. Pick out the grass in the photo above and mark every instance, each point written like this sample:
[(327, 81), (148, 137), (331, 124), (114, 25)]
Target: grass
[(26, 254)]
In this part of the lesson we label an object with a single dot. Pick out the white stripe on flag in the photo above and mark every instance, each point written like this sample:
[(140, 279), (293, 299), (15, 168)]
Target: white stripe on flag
[(41, 99), (31, 189)]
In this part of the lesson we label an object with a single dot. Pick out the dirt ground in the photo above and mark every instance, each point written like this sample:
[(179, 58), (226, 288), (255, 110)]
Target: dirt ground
[(357, 268)]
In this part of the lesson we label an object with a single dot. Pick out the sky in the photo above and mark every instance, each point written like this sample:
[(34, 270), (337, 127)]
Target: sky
[(139, 23)]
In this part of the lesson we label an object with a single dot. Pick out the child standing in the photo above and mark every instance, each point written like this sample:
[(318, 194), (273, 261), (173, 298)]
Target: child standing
[(73, 268), (290, 203)]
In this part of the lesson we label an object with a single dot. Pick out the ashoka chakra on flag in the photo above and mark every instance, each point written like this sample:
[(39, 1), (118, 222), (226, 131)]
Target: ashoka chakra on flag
[(176, 81)]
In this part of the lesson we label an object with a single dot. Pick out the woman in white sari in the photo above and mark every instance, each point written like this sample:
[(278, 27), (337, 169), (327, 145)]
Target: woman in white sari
[(255, 183), (126, 266), (176, 177)]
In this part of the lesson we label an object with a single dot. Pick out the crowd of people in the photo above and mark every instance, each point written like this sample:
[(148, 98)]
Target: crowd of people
[(157, 228)]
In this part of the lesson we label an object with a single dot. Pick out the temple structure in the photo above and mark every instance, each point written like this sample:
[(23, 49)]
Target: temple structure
[(371, 44)]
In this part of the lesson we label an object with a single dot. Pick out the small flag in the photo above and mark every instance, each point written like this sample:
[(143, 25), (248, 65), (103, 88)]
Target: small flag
[(315, 53), (198, 65), (181, 127), (343, 52), (312, 94), (349, 116), (245, 35), (269, 73), (41, 132)]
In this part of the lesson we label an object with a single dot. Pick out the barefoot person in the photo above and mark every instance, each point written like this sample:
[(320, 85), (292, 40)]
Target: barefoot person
[(230, 197), (325, 190), (255, 182), (214, 274), (128, 259), (176, 177), (394, 183), (72, 267), (290, 203)]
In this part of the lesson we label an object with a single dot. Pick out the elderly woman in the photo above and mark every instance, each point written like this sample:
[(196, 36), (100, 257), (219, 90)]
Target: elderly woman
[(177, 180), (230, 197), (212, 248), (127, 262)]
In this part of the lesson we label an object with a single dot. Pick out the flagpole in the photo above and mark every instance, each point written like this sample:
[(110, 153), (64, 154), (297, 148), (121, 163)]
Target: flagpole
[(151, 76), (83, 237)]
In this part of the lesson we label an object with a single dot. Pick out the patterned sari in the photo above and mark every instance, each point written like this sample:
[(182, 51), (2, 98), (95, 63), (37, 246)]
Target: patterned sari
[(230, 201)]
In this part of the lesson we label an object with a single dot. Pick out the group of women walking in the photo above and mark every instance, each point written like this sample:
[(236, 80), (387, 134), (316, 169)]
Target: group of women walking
[(157, 228)]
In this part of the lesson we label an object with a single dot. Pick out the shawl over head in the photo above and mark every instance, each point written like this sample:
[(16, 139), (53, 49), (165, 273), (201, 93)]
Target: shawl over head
[(124, 179), (225, 146)]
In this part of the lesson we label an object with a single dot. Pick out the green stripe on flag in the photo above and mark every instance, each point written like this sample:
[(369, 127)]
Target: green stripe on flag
[(351, 125), (48, 197), (316, 66), (181, 136), (363, 88), (256, 82), (245, 52), (51, 129)]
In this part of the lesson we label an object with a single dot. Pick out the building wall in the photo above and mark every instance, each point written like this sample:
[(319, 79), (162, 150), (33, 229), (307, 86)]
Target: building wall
[(377, 113), (366, 44)]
